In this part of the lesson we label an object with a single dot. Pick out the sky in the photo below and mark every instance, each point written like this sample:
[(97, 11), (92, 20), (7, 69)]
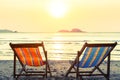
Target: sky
[(55, 15)]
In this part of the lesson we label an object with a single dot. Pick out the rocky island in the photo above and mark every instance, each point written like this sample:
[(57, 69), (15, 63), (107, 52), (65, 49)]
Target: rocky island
[(7, 31), (73, 30)]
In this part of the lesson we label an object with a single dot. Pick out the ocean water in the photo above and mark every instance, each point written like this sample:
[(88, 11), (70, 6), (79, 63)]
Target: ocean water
[(60, 46)]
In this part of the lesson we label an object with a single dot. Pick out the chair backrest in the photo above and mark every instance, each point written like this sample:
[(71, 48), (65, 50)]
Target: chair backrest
[(94, 54), (29, 53)]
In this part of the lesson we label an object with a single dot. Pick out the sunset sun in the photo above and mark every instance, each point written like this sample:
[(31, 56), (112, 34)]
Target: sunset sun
[(57, 9)]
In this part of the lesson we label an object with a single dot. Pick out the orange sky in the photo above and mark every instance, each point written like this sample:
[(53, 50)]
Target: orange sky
[(54, 15)]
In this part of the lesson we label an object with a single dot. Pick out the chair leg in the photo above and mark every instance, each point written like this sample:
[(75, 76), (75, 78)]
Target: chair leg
[(81, 78), (69, 70), (46, 71), (49, 70), (108, 67), (72, 66), (14, 72)]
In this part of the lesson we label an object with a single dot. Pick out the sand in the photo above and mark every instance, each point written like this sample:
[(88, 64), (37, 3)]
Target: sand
[(58, 69)]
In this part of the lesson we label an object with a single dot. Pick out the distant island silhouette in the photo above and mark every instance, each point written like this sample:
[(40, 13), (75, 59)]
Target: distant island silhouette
[(7, 31), (73, 30)]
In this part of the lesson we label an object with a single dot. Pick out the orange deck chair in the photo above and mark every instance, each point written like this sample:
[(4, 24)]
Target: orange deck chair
[(29, 54), (90, 57)]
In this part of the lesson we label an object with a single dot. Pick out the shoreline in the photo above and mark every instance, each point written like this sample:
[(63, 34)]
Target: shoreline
[(58, 69)]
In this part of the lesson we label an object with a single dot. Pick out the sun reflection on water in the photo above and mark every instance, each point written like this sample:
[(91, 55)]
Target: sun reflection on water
[(58, 48), (58, 51)]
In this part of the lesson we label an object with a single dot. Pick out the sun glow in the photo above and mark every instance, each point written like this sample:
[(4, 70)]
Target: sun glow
[(57, 8)]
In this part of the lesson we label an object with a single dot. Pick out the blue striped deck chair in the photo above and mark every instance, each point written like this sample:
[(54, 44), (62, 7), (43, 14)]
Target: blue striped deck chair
[(29, 54), (90, 57)]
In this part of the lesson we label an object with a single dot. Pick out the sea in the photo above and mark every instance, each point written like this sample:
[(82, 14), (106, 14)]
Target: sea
[(60, 46)]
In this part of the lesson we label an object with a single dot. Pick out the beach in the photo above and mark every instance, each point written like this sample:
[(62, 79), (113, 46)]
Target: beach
[(58, 46), (58, 69)]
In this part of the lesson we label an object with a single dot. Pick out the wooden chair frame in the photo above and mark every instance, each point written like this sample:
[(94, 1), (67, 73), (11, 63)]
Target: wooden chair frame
[(90, 73), (29, 73)]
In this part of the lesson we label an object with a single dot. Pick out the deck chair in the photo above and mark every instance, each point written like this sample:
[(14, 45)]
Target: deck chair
[(90, 57), (29, 54)]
